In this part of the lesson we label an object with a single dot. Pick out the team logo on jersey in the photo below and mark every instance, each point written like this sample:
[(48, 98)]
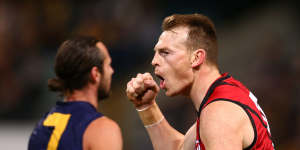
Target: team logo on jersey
[(197, 145)]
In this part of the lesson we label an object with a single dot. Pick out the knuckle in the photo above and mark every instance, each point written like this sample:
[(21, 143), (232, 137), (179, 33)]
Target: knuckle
[(135, 85)]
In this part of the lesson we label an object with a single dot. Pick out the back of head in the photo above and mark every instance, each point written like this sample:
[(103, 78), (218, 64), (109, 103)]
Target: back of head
[(73, 63), (202, 33)]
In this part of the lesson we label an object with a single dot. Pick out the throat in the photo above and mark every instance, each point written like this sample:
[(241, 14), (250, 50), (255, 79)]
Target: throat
[(201, 85)]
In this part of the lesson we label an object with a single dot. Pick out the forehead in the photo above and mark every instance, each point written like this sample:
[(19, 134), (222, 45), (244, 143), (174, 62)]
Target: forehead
[(174, 38), (103, 49)]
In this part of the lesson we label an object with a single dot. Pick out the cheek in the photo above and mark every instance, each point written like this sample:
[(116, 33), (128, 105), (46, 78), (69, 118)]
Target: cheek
[(180, 67), (182, 72)]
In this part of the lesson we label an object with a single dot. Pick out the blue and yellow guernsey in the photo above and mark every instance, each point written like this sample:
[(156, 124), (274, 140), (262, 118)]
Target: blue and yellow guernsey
[(63, 127)]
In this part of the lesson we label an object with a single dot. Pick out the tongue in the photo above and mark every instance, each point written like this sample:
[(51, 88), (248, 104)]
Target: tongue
[(162, 84)]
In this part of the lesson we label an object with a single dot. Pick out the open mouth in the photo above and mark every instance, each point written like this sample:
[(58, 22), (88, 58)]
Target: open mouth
[(162, 83)]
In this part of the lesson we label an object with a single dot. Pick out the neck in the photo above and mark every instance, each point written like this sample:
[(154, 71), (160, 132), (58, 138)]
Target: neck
[(83, 95), (203, 79)]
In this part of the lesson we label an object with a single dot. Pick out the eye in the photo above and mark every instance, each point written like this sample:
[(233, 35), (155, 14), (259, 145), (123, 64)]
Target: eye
[(163, 53)]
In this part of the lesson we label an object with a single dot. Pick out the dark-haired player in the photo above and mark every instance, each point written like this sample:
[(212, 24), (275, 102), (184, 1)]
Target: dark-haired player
[(83, 77)]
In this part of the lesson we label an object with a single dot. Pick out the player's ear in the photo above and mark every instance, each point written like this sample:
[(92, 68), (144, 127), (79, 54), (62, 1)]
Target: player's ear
[(198, 57), (95, 75)]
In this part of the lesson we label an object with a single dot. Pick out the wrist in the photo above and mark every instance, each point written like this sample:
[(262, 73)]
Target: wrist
[(144, 107), (155, 123), (150, 115)]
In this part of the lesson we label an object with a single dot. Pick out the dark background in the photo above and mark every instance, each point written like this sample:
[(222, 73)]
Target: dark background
[(258, 44)]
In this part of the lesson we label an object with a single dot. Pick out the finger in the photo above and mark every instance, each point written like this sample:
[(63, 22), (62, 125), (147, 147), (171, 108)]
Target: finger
[(128, 84), (147, 76), (139, 75), (139, 80), (138, 86), (131, 94), (130, 89), (135, 95), (151, 84)]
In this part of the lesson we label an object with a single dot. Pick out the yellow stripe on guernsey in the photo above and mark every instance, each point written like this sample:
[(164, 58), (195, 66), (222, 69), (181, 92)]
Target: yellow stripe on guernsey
[(59, 121)]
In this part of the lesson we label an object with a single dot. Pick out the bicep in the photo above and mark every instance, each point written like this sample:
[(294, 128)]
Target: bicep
[(103, 134), (221, 126)]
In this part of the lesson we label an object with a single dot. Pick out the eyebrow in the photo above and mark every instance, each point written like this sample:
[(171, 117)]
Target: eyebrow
[(162, 49), (159, 49)]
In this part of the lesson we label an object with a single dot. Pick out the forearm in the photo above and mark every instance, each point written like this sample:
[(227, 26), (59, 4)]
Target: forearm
[(162, 135)]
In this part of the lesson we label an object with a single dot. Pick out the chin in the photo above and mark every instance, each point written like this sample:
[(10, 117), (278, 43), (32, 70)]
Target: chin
[(102, 97), (171, 94), (103, 94), (174, 92)]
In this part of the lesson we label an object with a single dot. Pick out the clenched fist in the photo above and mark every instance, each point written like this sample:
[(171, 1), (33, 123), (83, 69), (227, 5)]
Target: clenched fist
[(142, 90)]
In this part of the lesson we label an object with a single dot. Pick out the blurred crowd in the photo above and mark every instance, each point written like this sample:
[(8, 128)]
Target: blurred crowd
[(258, 42), (31, 31)]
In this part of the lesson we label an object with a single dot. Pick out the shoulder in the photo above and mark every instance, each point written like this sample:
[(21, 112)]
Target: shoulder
[(103, 127), (222, 110), (103, 123), (101, 133), (224, 122)]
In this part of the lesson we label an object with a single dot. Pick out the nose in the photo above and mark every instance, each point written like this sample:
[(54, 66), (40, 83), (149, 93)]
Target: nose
[(112, 70), (154, 60)]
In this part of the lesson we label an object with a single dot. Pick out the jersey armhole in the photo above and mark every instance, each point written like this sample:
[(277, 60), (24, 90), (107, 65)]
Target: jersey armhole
[(244, 107)]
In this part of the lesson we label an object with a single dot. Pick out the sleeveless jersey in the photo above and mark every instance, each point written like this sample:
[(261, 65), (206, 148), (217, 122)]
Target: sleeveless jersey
[(63, 127), (228, 89)]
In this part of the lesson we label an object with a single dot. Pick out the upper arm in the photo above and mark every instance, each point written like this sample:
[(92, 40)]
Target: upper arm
[(223, 126), (102, 134)]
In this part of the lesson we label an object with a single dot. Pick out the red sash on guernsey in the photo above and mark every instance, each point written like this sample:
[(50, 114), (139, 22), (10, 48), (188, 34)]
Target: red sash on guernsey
[(228, 89)]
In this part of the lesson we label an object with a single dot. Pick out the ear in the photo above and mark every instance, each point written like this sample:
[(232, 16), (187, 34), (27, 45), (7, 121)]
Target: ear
[(95, 75), (198, 57)]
